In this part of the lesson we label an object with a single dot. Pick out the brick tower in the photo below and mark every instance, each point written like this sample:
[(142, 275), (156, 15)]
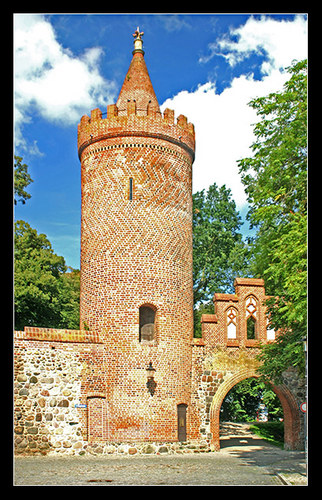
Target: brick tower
[(136, 257)]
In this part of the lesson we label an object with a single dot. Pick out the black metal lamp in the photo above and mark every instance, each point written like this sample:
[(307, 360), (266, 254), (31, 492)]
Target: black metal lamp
[(151, 383)]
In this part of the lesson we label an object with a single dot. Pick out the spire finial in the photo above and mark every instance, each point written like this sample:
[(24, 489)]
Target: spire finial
[(138, 42), (137, 34)]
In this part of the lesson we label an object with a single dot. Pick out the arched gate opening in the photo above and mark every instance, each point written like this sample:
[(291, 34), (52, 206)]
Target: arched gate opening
[(291, 413)]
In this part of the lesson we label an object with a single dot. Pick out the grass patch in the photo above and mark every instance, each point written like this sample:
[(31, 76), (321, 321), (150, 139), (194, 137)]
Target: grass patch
[(270, 431)]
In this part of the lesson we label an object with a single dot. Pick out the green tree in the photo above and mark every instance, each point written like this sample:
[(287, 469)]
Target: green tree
[(199, 310), (275, 180), (219, 253), (21, 180), (242, 402), (69, 295), (45, 295), (272, 403)]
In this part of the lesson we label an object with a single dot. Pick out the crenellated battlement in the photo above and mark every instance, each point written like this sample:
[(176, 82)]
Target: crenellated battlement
[(152, 124)]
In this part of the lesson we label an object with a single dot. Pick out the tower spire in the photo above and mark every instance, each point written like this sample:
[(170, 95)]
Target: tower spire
[(137, 86)]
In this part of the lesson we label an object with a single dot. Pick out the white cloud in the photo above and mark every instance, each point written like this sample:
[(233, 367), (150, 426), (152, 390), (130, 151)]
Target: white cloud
[(224, 122), (50, 79), (173, 22), (278, 39), (224, 131)]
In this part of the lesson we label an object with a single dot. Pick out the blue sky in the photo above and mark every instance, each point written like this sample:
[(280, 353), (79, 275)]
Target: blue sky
[(205, 66)]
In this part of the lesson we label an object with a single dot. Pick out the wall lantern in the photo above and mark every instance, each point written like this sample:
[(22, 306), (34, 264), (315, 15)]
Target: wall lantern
[(151, 383)]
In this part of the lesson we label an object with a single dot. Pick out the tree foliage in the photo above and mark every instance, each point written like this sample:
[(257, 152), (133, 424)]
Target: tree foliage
[(45, 294), (241, 404), (21, 180), (275, 180), (219, 253)]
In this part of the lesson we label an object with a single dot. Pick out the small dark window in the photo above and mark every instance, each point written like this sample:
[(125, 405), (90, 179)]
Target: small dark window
[(131, 189), (251, 328), (147, 323)]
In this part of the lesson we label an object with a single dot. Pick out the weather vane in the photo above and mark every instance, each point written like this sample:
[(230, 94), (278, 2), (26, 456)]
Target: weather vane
[(137, 34)]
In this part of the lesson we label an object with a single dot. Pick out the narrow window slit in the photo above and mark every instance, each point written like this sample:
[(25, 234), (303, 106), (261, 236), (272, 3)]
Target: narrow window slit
[(131, 189)]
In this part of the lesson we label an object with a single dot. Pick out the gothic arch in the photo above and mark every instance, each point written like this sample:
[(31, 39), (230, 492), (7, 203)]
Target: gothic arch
[(290, 409), (252, 317), (231, 323)]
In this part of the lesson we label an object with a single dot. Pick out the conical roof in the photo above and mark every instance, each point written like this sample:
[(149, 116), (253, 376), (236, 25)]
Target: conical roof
[(137, 85)]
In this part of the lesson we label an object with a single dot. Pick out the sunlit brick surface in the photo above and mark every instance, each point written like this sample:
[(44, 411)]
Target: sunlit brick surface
[(136, 249)]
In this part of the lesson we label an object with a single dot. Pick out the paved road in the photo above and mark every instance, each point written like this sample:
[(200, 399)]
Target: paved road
[(243, 460)]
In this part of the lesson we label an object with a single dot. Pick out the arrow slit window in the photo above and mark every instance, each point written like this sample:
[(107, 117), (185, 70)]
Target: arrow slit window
[(131, 188)]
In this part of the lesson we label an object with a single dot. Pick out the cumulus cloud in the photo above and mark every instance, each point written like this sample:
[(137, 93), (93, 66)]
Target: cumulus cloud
[(224, 121), (50, 79), (224, 128), (277, 39)]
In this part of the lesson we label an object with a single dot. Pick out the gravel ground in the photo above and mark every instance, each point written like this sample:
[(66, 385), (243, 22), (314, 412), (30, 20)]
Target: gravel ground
[(244, 459), (231, 466), (185, 470)]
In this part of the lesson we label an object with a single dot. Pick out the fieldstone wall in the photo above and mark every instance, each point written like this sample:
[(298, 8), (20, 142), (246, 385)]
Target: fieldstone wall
[(217, 368), (295, 383), (47, 387), (52, 378), (153, 448)]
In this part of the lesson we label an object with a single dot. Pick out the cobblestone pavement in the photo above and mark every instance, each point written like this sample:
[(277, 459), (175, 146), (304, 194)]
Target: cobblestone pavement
[(253, 462)]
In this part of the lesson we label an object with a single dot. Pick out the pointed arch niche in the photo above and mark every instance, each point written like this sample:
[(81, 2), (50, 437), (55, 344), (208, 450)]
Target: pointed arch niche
[(231, 323), (251, 318)]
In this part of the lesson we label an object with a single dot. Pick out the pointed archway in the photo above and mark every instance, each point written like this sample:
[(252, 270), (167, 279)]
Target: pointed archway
[(292, 439)]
